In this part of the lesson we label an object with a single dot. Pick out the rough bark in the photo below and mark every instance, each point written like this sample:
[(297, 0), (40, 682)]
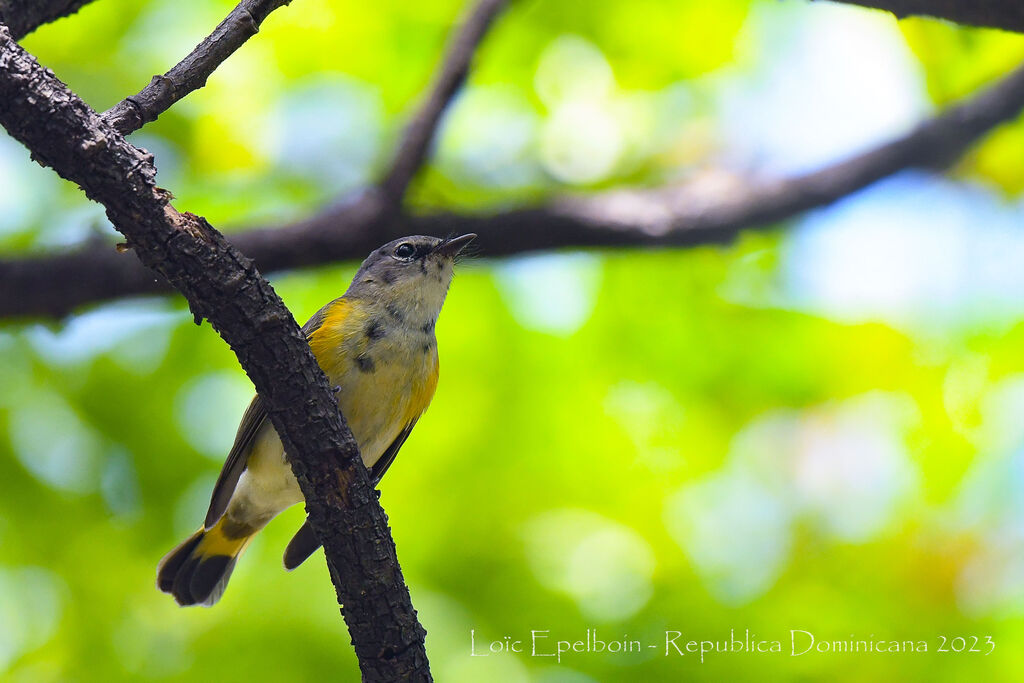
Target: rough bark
[(191, 73), (224, 286), (678, 216), (1005, 14), (24, 16)]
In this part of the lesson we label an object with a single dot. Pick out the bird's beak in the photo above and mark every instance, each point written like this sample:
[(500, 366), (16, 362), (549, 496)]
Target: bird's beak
[(452, 247)]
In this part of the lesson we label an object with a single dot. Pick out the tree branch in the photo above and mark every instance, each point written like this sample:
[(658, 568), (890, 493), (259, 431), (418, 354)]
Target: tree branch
[(224, 286), (190, 74), (688, 215), (419, 133), (1005, 14), (24, 16)]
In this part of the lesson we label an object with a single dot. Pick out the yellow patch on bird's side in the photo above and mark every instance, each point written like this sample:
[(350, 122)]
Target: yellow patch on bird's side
[(423, 392), (339, 329)]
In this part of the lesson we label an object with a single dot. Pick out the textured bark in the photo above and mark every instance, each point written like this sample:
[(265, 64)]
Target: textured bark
[(191, 73), (224, 286), (24, 16), (679, 216), (1005, 14)]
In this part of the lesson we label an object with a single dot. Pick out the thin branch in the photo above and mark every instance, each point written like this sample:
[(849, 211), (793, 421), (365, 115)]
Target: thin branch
[(419, 134), (190, 74), (1005, 14), (24, 16), (693, 214), (224, 286)]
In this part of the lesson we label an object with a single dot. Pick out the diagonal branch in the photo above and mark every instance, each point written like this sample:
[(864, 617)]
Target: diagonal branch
[(224, 286), (24, 16), (190, 74), (693, 214), (415, 144), (1005, 14)]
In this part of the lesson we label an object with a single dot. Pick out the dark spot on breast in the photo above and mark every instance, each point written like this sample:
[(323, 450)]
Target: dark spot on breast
[(429, 326), (375, 329), (393, 311), (365, 363), (429, 345)]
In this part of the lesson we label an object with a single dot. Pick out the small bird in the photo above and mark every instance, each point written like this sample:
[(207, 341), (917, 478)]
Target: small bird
[(376, 344)]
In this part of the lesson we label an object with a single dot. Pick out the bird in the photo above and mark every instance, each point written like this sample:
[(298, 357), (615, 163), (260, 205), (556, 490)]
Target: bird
[(376, 344)]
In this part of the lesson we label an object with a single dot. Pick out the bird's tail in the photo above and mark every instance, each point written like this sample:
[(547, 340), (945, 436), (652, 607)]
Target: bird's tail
[(197, 571)]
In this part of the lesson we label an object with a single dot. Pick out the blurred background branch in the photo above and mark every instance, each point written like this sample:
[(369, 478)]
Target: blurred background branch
[(419, 133), (1005, 14), (24, 16), (711, 210)]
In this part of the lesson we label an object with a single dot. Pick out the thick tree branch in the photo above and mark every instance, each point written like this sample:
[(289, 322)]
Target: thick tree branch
[(224, 286), (24, 16), (190, 74), (687, 215), (1005, 14), (420, 131)]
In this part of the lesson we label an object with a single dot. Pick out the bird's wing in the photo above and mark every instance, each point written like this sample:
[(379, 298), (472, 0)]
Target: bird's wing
[(388, 457), (254, 417)]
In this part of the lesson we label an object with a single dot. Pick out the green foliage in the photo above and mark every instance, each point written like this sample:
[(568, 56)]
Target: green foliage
[(627, 441)]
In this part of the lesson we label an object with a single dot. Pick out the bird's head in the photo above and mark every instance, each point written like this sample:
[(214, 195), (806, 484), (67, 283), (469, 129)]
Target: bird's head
[(411, 272)]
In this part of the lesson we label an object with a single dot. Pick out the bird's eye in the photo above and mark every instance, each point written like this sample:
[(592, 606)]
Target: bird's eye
[(404, 250)]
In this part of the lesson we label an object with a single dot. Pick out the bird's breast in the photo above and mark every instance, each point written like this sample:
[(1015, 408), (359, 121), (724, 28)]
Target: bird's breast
[(385, 366)]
